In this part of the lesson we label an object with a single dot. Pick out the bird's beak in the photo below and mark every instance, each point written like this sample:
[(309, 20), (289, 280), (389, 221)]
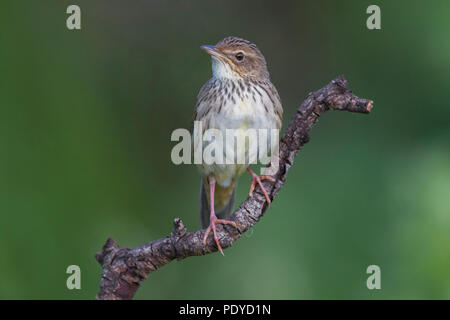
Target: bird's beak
[(212, 50)]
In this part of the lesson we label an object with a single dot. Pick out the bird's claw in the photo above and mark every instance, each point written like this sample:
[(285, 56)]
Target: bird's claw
[(212, 226), (257, 180)]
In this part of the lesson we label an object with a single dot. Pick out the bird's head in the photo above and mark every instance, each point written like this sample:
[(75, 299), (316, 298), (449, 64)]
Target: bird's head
[(236, 58)]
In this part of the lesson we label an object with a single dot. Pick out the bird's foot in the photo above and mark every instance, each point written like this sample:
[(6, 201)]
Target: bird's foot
[(257, 180), (212, 227)]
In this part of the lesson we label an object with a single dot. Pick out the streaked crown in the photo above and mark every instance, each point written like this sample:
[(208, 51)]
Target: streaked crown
[(234, 58)]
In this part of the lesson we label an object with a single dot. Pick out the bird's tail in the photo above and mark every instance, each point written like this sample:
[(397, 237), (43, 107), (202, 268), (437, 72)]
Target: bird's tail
[(223, 201)]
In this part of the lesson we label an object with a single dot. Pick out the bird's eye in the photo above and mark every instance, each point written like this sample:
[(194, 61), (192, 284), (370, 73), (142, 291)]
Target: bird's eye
[(239, 56)]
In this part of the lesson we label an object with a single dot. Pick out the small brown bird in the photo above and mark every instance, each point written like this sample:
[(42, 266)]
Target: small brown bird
[(238, 96)]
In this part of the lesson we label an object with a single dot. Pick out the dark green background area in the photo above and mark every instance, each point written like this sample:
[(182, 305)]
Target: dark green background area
[(85, 124)]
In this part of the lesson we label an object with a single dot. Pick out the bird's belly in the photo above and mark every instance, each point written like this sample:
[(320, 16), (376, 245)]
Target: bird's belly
[(239, 126)]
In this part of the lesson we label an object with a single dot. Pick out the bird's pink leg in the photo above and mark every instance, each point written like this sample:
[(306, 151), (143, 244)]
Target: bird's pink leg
[(213, 219), (257, 179)]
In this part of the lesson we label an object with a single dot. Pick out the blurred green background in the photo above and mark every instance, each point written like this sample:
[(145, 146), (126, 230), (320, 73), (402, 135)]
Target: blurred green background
[(85, 125)]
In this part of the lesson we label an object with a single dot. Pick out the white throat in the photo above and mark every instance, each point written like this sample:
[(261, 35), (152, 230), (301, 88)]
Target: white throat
[(223, 70)]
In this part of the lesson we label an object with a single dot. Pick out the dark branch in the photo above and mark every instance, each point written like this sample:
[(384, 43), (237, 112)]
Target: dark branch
[(124, 268)]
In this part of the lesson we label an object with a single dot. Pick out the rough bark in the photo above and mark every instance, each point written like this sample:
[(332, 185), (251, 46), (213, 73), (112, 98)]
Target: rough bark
[(124, 269)]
